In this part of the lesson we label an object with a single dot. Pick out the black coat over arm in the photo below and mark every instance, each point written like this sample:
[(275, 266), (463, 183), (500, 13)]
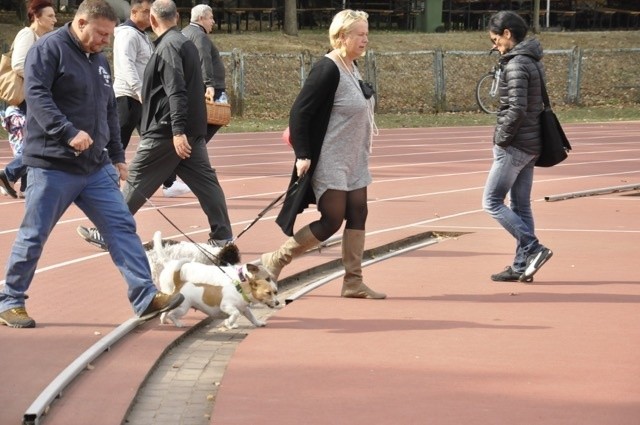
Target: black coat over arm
[(308, 122)]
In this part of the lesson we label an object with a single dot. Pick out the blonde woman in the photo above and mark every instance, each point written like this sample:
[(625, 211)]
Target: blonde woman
[(43, 19), (331, 126)]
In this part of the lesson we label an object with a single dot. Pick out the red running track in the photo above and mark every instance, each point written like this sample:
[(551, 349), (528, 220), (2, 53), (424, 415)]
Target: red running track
[(447, 346)]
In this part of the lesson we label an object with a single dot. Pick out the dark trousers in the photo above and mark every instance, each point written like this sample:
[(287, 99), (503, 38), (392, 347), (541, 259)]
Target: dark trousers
[(211, 131), (129, 115), (155, 160)]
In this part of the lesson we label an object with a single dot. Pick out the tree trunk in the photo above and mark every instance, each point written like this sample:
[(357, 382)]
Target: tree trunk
[(290, 17), (536, 17), (21, 11)]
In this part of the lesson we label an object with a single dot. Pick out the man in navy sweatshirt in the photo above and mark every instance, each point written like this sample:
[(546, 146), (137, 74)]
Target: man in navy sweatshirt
[(74, 155)]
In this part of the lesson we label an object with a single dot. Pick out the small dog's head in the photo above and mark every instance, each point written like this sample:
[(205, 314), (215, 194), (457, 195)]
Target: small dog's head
[(263, 289)]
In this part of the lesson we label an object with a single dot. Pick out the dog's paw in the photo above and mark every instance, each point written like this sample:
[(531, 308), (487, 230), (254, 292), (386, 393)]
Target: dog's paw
[(260, 324), (166, 318), (230, 325)]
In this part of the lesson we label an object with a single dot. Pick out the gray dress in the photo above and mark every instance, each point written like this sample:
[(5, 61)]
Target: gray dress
[(344, 158)]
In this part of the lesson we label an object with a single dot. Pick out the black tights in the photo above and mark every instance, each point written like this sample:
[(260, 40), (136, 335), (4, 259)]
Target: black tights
[(336, 206)]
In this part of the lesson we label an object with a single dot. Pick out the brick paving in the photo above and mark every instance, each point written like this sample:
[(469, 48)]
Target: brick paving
[(182, 388)]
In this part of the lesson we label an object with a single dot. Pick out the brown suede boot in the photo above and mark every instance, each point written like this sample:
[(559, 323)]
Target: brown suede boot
[(293, 247), (352, 249)]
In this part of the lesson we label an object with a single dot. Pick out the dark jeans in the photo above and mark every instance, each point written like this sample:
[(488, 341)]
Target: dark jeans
[(129, 115)]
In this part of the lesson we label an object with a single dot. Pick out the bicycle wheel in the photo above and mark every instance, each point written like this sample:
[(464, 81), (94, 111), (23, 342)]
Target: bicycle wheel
[(486, 102)]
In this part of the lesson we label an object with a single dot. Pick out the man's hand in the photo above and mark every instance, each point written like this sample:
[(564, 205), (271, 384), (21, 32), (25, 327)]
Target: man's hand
[(81, 142), (183, 148), (210, 93), (123, 170)]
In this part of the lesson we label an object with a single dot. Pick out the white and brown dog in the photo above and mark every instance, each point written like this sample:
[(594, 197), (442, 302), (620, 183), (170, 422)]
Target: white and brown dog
[(196, 252), (213, 289)]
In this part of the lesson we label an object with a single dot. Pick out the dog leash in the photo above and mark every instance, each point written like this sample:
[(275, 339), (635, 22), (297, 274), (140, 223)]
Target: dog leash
[(290, 191), (204, 252)]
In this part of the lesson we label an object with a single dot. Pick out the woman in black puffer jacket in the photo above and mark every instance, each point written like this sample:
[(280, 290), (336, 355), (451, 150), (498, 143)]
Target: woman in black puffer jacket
[(517, 143)]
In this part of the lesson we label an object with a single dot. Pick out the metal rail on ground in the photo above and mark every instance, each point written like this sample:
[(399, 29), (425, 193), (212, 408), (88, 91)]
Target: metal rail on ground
[(398, 248), (54, 390), (592, 192)]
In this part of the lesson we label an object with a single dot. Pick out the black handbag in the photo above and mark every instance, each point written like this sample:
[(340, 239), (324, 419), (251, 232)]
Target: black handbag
[(555, 145)]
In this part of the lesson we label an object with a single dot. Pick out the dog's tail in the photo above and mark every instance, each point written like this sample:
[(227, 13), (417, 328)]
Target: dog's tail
[(170, 280), (157, 246)]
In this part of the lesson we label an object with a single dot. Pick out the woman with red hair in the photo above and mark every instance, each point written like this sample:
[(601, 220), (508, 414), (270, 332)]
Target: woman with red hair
[(42, 18)]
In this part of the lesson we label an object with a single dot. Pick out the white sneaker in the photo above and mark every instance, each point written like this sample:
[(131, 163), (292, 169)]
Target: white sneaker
[(178, 188)]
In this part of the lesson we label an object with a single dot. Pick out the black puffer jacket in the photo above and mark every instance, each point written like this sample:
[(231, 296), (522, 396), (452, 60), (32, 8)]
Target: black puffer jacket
[(520, 98)]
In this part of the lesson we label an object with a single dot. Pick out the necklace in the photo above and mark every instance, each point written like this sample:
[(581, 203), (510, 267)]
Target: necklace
[(372, 121), (351, 71)]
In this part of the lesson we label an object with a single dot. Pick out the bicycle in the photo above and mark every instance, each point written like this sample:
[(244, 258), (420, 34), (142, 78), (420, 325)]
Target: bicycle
[(487, 94)]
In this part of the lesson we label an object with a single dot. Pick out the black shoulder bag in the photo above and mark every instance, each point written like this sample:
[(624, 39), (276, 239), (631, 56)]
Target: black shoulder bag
[(555, 145)]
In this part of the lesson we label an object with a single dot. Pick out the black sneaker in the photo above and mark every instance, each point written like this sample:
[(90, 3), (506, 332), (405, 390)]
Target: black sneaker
[(93, 236), (219, 243), (508, 275), (534, 262), (162, 302), (6, 187)]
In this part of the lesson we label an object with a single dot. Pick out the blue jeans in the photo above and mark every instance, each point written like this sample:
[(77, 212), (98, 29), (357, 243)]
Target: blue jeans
[(512, 172), (49, 195)]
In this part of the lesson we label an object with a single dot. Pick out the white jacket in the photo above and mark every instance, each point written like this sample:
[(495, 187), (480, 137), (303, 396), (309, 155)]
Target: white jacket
[(131, 52)]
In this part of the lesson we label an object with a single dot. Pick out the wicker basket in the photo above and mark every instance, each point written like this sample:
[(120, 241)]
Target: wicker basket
[(218, 113)]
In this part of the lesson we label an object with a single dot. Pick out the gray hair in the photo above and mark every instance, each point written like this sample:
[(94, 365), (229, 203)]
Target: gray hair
[(199, 11), (164, 10)]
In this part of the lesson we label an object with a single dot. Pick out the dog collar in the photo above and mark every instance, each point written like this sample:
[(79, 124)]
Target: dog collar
[(241, 275), (239, 288)]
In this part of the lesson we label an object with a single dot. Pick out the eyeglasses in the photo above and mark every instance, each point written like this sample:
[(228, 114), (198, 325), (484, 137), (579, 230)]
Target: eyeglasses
[(494, 40)]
